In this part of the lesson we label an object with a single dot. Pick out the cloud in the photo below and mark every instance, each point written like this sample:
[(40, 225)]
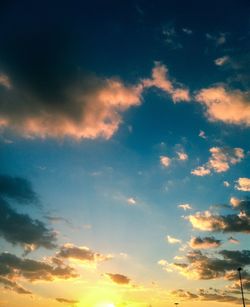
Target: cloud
[(214, 295), (202, 134), (185, 207), (187, 31), (13, 286), (225, 105), (220, 161), (13, 268), (19, 228), (206, 221), (17, 188), (233, 240), (173, 240), (5, 81), (85, 107), (205, 267), (66, 301), (219, 39), (81, 253), (165, 161), (161, 80), (226, 184), (243, 184), (131, 201), (182, 156), (204, 243), (119, 278), (201, 171), (222, 61)]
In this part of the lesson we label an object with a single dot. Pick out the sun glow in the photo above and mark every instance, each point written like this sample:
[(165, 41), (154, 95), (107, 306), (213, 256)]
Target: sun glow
[(105, 305)]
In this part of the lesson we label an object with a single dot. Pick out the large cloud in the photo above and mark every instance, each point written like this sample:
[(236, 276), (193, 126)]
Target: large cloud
[(228, 106), (220, 161), (13, 267), (89, 108), (19, 228), (236, 222), (81, 253), (202, 266)]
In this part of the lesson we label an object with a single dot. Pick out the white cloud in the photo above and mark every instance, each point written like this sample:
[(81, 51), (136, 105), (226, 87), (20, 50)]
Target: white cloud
[(131, 201), (226, 184), (243, 184), (173, 240), (185, 207), (202, 134), (222, 61)]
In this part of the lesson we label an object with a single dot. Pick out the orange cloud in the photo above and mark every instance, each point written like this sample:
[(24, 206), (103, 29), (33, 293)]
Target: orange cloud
[(243, 184), (228, 106)]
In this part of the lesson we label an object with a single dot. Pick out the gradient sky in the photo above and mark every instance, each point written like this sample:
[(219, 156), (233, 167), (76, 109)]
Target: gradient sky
[(124, 153)]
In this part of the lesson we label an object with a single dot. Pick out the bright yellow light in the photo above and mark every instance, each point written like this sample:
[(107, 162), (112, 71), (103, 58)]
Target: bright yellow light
[(105, 305)]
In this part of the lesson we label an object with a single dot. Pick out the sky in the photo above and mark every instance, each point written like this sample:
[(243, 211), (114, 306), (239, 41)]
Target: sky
[(124, 153)]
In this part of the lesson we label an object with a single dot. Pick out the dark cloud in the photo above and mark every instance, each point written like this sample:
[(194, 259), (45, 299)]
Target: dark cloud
[(215, 295), (12, 285), (119, 278), (66, 301), (19, 228), (81, 253), (201, 266), (204, 243), (17, 188), (13, 267), (237, 222)]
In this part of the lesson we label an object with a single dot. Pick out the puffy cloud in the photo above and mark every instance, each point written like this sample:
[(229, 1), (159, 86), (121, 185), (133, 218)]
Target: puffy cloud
[(228, 106), (204, 243), (222, 60), (90, 107), (17, 188), (173, 240), (201, 266), (201, 171), (66, 301), (12, 285), (161, 80), (243, 184), (182, 156), (220, 160), (81, 253), (13, 267), (165, 161), (185, 207), (119, 278), (19, 228), (206, 221)]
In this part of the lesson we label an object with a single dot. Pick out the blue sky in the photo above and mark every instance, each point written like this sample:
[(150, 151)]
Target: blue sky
[(124, 161)]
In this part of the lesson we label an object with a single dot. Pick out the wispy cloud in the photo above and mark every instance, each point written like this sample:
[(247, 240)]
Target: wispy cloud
[(173, 240), (185, 207)]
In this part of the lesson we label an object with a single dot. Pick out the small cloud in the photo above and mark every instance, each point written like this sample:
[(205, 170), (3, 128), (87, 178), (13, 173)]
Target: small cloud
[(66, 301), (202, 134), (219, 39), (173, 240), (131, 201), (182, 156), (226, 184), (243, 184), (119, 278), (187, 31), (204, 243), (222, 61), (201, 171), (235, 202), (165, 161), (233, 240), (185, 207)]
